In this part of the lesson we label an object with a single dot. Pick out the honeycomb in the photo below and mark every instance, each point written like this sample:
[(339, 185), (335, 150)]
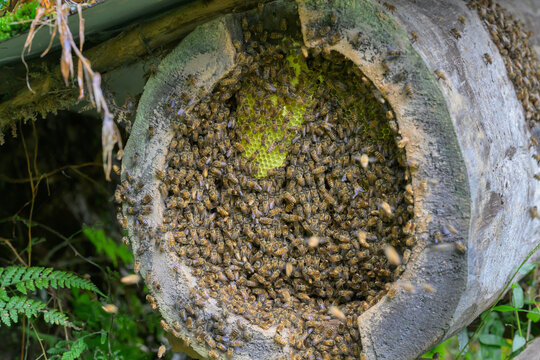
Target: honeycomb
[(291, 115)]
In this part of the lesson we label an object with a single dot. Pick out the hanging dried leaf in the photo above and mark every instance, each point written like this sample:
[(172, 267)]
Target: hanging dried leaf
[(80, 80), (32, 32), (53, 35), (81, 27), (96, 87), (110, 135)]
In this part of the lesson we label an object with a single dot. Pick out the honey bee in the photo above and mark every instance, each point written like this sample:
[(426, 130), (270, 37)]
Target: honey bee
[(313, 242), (211, 342), (392, 255), (440, 74), (385, 207), (364, 161), (164, 325), (414, 36), (408, 90), (336, 312), (390, 7), (305, 51), (161, 351), (534, 212), (280, 340), (152, 70), (391, 292), (408, 286), (487, 59), (324, 31), (456, 33)]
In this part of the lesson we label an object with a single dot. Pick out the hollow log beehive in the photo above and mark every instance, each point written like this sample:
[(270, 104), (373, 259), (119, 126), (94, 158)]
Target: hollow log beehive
[(323, 180)]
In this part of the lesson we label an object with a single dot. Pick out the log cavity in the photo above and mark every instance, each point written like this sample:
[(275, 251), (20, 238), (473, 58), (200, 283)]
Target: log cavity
[(284, 190)]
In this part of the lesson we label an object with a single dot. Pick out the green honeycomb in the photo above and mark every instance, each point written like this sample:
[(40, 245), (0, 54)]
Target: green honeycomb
[(290, 115)]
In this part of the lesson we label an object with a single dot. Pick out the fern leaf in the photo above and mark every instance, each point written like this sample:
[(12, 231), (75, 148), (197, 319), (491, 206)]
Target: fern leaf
[(56, 317), (77, 348), (16, 305), (8, 275), (3, 294), (4, 316), (25, 279)]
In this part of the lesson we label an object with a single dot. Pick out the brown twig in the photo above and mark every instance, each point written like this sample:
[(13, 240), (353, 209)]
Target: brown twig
[(8, 243), (32, 203), (48, 174)]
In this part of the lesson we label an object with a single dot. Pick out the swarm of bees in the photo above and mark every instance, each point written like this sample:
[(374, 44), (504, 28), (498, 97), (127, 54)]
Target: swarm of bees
[(301, 246), (520, 59)]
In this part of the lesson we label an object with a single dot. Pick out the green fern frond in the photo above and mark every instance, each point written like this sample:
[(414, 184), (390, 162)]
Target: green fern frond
[(68, 349), (10, 310), (16, 305), (75, 351), (29, 279), (25, 279), (56, 317)]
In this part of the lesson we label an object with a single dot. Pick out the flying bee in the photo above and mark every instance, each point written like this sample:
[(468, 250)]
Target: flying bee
[(392, 255), (161, 351), (440, 74), (364, 161), (336, 312), (385, 207)]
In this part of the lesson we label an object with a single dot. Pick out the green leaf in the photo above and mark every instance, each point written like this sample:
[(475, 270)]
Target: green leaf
[(16, 305), (25, 279), (534, 315), (525, 269), (3, 294), (517, 296), (75, 350), (505, 308), (490, 339), (108, 246), (518, 342), (56, 317), (103, 337)]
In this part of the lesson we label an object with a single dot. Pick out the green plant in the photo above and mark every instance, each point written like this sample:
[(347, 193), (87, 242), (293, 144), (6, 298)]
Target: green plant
[(504, 329), (108, 246), (13, 23), (68, 350), (25, 279)]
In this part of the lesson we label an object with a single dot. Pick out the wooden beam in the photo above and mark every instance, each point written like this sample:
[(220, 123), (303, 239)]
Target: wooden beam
[(125, 48)]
